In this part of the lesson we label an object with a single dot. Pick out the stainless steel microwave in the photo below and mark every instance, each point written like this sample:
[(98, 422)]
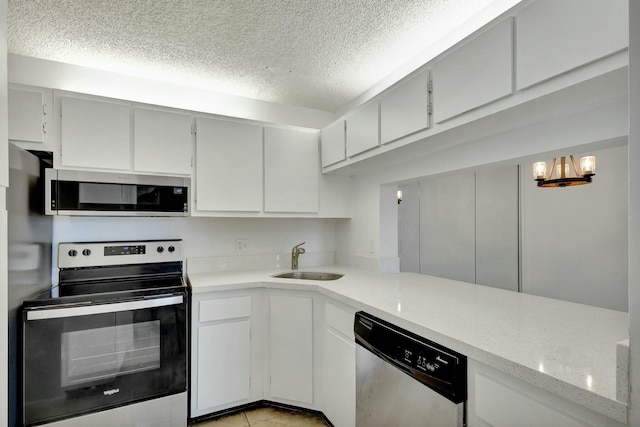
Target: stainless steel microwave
[(69, 192)]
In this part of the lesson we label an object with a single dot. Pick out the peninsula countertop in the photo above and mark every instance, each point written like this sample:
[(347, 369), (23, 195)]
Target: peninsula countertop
[(565, 348)]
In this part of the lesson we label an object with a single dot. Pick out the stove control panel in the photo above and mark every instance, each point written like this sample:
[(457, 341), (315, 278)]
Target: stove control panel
[(92, 254), (126, 250)]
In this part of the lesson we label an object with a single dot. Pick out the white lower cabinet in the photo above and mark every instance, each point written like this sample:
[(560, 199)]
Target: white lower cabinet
[(499, 400), (295, 348), (339, 367), (291, 349), (226, 364), (221, 358)]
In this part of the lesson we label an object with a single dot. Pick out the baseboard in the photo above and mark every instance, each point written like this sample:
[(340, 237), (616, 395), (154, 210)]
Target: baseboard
[(257, 405)]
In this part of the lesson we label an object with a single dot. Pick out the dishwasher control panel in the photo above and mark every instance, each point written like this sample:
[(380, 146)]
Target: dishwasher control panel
[(434, 365)]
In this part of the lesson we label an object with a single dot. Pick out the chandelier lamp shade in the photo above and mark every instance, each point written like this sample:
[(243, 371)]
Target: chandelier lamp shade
[(564, 172)]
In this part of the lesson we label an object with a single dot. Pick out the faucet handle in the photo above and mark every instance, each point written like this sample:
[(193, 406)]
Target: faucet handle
[(297, 247)]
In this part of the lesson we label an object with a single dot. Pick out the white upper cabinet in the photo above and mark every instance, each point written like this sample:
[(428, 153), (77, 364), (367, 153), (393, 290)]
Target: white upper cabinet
[(95, 134), (29, 114), (228, 166), (332, 143), (553, 37), (162, 142), (405, 108), (292, 168), (474, 74), (363, 129)]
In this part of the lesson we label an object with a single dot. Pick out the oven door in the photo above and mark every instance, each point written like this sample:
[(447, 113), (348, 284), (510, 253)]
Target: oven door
[(82, 359)]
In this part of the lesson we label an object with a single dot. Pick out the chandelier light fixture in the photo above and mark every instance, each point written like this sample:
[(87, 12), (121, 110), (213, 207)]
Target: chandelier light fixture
[(563, 173)]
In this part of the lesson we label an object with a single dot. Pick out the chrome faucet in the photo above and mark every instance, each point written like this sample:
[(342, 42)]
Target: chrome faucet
[(295, 252)]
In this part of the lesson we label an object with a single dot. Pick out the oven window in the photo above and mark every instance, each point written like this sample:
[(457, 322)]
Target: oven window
[(94, 355)]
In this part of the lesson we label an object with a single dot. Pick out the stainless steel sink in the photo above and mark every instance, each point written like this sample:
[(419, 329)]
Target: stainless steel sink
[(308, 275)]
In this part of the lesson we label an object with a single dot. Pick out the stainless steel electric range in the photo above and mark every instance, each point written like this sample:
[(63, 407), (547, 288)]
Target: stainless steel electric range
[(108, 345)]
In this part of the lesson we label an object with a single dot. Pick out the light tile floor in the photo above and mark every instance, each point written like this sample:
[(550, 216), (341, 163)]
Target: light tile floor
[(265, 417)]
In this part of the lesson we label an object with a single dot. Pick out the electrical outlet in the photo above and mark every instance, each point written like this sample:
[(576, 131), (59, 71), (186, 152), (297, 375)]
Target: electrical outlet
[(242, 245)]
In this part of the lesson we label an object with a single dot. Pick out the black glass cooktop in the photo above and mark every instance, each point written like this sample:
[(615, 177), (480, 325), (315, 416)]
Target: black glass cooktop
[(104, 293), (102, 285)]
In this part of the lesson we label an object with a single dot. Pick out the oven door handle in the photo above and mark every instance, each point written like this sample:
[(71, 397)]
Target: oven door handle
[(86, 310)]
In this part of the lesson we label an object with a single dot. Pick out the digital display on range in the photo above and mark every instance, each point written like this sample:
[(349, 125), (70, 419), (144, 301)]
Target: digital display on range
[(124, 250)]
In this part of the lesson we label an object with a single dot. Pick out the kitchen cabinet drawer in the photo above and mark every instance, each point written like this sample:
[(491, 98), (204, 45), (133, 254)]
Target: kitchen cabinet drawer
[(474, 74), (224, 308), (404, 109), (340, 320), (553, 37)]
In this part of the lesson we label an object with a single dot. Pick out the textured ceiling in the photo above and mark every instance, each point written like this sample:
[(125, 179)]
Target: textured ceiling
[(315, 53)]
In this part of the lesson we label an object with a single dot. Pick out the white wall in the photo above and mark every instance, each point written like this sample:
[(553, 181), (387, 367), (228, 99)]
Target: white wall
[(409, 227), (206, 237), (4, 178), (634, 210), (356, 239), (73, 78), (574, 240)]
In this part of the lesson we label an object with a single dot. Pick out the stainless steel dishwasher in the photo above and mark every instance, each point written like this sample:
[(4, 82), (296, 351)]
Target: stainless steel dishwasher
[(403, 379)]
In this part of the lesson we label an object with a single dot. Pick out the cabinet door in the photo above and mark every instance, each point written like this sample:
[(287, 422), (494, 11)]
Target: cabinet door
[(499, 400), (363, 129), (291, 348), (553, 37), (228, 166), (405, 108), (28, 111), (476, 73), (339, 368), (292, 169), (332, 143), (224, 368), (161, 142), (95, 134)]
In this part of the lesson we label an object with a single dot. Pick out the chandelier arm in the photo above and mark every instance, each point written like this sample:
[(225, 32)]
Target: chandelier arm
[(575, 167), (553, 166)]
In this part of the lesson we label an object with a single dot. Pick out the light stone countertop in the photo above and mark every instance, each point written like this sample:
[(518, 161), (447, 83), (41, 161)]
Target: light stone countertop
[(565, 348)]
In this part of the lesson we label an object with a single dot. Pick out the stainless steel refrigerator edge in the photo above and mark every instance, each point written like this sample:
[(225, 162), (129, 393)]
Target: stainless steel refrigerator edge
[(29, 252)]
